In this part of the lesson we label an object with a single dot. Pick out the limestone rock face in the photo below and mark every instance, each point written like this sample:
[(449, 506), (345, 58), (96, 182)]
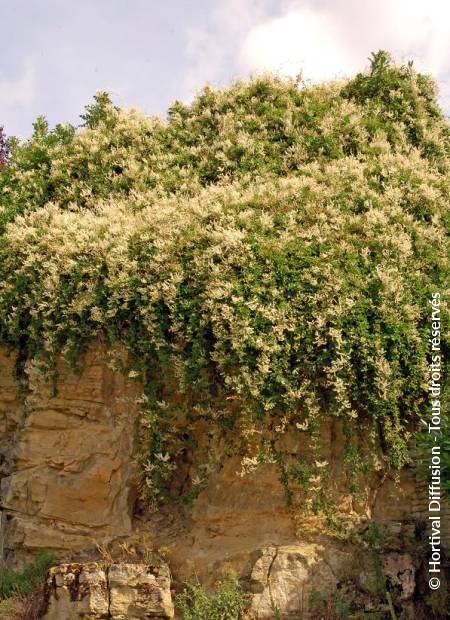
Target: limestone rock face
[(94, 591), (68, 483), (71, 479)]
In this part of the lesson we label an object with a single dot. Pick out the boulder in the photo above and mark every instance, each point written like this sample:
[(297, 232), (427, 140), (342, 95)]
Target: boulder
[(76, 591), (96, 591), (282, 578), (139, 591)]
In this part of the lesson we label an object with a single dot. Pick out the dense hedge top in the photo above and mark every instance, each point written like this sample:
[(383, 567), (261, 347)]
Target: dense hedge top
[(274, 242)]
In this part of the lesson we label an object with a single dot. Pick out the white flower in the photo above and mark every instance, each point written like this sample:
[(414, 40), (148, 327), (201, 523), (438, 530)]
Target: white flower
[(163, 457), (303, 426), (320, 464)]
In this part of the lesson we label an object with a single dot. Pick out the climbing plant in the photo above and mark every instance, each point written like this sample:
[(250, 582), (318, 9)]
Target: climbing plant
[(267, 253)]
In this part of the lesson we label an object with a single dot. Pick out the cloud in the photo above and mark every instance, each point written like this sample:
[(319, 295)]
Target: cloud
[(212, 48), (19, 92), (205, 58), (328, 39), (300, 41)]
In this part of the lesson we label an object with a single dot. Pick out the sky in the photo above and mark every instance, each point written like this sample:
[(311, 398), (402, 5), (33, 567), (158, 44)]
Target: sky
[(55, 54)]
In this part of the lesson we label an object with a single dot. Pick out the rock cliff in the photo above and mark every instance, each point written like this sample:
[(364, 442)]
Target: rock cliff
[(70, 484)]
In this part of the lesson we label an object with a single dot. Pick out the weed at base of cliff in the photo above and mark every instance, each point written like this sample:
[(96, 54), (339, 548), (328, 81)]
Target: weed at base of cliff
[(226, 602)]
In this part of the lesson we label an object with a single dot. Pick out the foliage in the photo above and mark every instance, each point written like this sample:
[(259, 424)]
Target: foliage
[(397, 98), (23, 582), (267, 253), (26, 184), (226, 602)]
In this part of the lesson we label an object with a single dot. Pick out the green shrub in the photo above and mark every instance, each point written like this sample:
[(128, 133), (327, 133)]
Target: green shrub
[(226, 602), (23, 582)]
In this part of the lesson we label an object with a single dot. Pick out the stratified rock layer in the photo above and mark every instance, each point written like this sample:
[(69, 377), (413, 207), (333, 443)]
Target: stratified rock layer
[(70, 478)]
